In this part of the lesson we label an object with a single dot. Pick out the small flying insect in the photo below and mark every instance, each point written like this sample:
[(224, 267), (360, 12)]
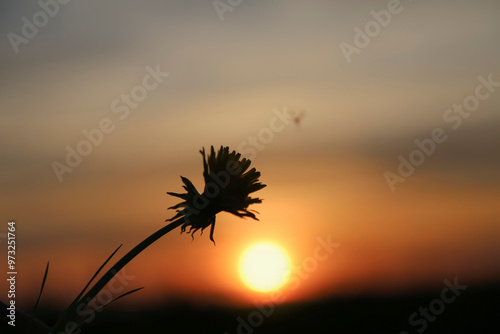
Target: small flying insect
[(298, 118)]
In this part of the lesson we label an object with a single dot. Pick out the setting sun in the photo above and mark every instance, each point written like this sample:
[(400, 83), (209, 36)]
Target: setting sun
[(264, 267)]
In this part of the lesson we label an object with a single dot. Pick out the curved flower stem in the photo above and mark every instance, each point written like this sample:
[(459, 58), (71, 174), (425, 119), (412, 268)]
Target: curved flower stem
[(70, 313)]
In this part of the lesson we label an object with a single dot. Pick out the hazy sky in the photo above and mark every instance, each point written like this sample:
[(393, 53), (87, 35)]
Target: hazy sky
[(325, 176)]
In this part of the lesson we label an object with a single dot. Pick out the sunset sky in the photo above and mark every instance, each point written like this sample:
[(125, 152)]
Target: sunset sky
[(227, 81)]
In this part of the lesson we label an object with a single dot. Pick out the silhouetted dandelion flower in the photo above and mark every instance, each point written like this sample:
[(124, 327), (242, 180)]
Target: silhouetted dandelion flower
[(228, 184)]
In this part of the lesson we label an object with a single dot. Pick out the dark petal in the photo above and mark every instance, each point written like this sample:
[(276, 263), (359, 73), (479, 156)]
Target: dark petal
[(250, 176), (212, 229), (242, 214), (250, 200), (205, 166), (183, 196), (189, 185), (244, 165), (179, 205), (250, 179), (212, 157), (255, 187), (178, 215)]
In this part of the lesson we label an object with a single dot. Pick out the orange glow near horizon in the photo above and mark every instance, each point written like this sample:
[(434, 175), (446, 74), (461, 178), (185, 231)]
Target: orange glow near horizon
[(424, 238)]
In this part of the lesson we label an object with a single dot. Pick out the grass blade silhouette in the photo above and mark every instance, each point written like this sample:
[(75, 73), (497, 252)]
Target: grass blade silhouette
[(82, 321), (41, 291), (101, 283)]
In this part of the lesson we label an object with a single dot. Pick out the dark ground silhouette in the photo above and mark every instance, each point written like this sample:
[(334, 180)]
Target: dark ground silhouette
[(476, 310)]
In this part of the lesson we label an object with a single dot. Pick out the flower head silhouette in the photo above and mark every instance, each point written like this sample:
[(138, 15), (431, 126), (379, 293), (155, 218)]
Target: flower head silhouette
[(228, 184)]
